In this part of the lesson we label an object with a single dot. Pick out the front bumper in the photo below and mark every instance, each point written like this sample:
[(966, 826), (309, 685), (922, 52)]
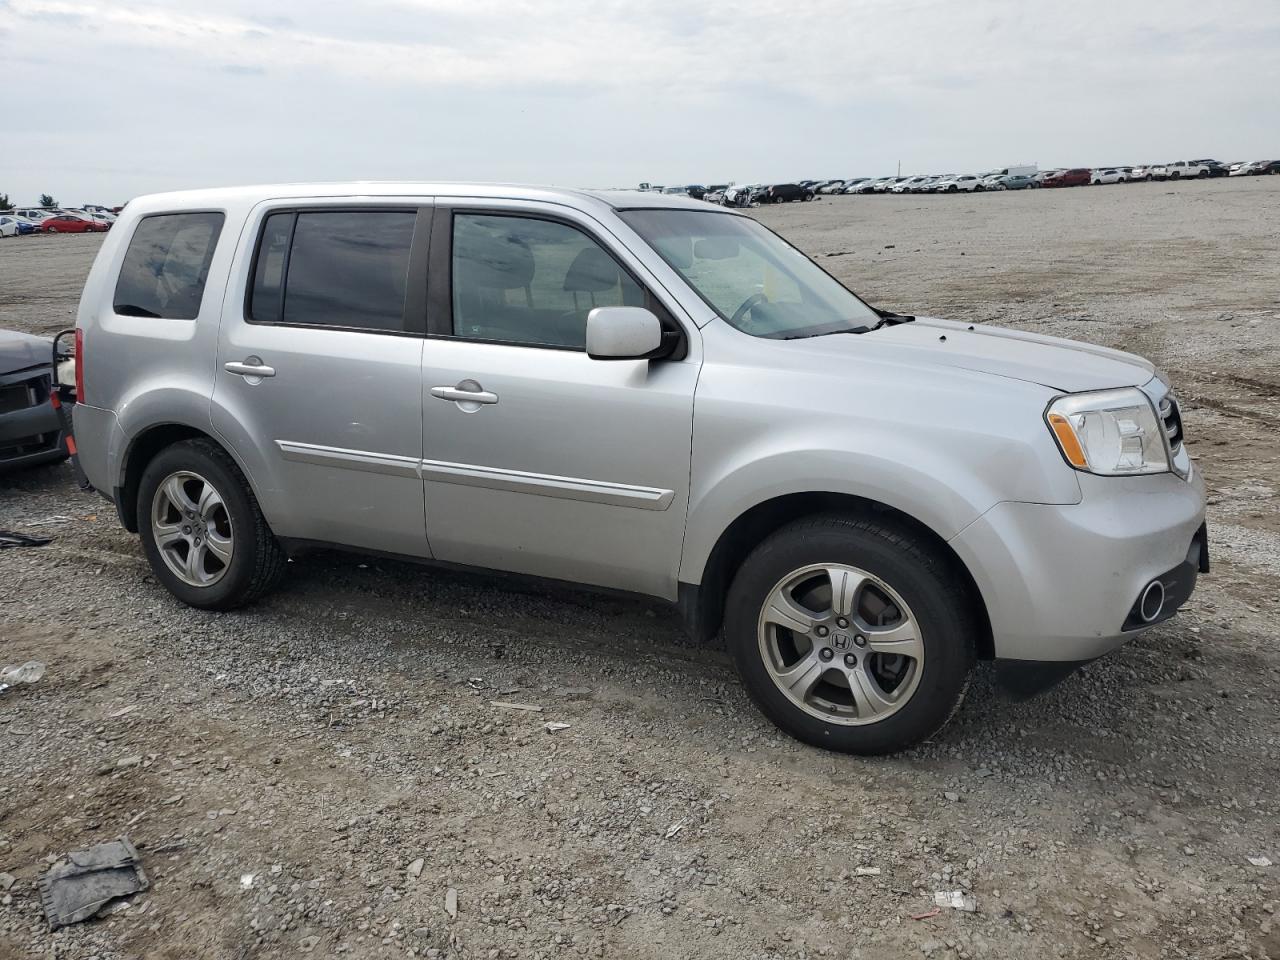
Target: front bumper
[(1060, 582), (30, 431)]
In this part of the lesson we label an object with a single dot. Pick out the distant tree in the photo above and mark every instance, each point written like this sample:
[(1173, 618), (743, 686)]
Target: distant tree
[(4, 202), (47, 201)]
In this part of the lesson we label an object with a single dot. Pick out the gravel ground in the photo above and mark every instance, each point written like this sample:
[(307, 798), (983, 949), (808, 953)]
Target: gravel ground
[(326, 774)]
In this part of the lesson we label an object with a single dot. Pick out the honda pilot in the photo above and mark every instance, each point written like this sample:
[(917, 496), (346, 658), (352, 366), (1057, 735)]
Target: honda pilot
[(637, 392)]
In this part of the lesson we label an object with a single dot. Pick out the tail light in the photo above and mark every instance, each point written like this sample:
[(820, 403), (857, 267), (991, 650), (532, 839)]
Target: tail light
[(80, 397)]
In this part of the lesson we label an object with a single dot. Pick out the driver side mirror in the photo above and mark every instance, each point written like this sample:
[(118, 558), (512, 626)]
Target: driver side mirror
[(624, 333)]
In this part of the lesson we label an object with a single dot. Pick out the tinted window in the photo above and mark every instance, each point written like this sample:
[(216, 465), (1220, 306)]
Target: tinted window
[(531, 281), (167, 264), (268, 271), (341, 269)]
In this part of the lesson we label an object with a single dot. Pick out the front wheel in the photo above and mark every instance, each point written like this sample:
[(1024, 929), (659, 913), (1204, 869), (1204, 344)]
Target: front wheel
[(202, 530), (850, 634)]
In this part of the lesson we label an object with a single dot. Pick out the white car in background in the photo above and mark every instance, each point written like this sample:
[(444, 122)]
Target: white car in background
[(965, 182), (8, 226), (908, 186), (1185, 170), (1108, 175), (36, 214), (1250, 169)]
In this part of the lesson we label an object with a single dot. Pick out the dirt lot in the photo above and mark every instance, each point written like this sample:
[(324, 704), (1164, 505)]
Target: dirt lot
[(311, 777)]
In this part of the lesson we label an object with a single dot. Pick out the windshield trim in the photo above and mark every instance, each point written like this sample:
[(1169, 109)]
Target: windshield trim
[(795, 335)]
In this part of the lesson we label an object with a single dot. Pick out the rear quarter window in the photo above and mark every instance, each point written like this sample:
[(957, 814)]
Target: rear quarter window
[(166, 265)]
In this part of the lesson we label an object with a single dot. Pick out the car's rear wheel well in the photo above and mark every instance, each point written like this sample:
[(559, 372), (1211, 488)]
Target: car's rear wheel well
[(702, 606), (141, 452)]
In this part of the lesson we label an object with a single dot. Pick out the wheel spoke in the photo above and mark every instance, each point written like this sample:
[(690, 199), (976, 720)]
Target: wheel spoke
[(867, 695), (167, 534), (845, 585), (902, 640), (801, 676), (194, 565), (177, 494), (209, 501), (219, 545), (785, 612)]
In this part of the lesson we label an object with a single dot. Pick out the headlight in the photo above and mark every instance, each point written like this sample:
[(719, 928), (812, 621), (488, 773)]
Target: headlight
[(1112, 433)]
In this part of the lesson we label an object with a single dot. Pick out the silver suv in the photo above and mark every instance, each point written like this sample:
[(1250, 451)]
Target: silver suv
[(638, 392)]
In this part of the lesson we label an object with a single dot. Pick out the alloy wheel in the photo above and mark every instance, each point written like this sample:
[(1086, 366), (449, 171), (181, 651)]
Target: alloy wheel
[(840, 644), (192, 529)]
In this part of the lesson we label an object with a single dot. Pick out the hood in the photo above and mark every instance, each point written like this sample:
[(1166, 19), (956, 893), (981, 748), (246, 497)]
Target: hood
[(20, 351), (1065, 365)]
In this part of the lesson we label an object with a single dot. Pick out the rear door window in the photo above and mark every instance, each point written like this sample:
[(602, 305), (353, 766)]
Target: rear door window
[(166, 265), (346, 269)]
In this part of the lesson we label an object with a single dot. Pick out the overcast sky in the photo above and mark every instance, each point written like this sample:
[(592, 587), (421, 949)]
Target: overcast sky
[(102, 101)]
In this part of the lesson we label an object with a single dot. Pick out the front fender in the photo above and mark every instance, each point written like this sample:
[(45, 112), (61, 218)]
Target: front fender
[(938, 494), (942, 449)]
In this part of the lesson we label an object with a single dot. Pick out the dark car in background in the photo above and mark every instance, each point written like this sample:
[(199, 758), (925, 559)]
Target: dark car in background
[(786, 192), (1075, 177), (30, 429), (1216, 167)]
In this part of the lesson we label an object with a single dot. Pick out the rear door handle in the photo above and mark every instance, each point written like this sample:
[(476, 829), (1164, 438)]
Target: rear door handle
[(250, 367), (468, 391)]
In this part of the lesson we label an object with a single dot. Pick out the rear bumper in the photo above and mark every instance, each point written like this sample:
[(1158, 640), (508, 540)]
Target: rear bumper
[(1060, 582)]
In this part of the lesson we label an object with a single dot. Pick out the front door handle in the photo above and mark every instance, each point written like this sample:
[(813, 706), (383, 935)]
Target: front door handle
[(250, 367), (467, 394)]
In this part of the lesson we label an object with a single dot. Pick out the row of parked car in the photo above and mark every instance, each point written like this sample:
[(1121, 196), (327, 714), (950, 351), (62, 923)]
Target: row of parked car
[(1007, 178), (27, 220)]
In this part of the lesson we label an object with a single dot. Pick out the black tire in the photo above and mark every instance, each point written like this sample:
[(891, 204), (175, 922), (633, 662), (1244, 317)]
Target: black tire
[(257, 562), (927, 582)]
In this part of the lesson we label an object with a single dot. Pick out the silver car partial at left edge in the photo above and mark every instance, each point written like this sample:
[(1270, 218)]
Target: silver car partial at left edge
[(636, 392)]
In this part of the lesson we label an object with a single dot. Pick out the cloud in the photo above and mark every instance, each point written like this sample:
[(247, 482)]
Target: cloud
[(622, 90)]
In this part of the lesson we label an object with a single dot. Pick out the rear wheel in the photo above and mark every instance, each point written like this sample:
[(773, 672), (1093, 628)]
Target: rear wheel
[(202, 530), (850, 634)]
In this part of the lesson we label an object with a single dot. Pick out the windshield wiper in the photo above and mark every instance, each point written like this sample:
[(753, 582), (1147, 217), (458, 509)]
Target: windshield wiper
[(889, 319), (861, 328)]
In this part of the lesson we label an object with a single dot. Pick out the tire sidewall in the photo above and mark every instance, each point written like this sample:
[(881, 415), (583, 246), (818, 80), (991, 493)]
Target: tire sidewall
[(945, 633), (192, 457)]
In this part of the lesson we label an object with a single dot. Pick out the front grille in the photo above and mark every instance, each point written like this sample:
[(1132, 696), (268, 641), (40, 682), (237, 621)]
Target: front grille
[(1171, 417), (17, 396)]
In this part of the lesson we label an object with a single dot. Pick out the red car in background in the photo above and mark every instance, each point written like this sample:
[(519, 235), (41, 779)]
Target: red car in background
[(65, 223), (1076, 177)]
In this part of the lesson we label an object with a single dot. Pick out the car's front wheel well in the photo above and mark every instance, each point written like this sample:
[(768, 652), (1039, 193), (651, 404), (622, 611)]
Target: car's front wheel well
[(141, 452), (702, 605)]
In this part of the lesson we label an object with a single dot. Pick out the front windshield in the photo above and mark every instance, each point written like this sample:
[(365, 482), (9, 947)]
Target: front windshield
[(750, 276)]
